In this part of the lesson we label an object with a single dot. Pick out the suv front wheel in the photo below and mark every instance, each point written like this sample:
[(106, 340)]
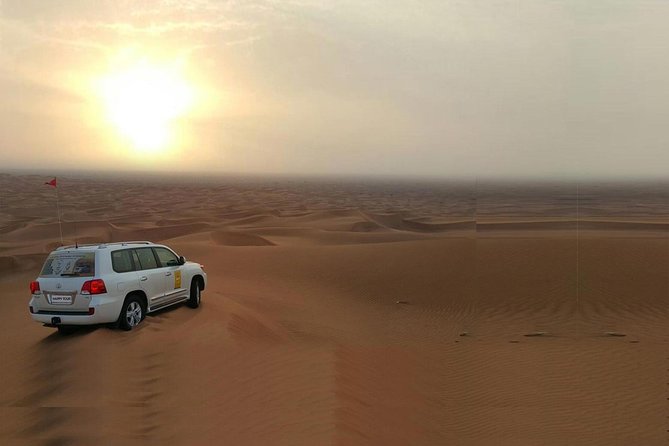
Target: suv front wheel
[(132, 313), (195, 294)]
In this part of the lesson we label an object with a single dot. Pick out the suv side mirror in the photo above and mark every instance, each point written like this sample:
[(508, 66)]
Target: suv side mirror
[(182, 260)]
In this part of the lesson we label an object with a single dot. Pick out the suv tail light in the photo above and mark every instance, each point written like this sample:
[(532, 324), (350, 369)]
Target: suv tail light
[(34, 287), (96, 286)]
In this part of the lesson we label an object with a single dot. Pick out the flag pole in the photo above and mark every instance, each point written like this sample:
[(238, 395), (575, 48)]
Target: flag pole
[(60, 223)]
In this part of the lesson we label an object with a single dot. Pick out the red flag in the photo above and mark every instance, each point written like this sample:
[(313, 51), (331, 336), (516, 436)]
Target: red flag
[(51, 183)]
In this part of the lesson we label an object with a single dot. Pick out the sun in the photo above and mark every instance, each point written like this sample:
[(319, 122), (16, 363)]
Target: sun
[(143, 100)]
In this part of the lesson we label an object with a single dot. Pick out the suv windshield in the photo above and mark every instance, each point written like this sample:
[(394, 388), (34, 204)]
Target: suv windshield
[(75, 264)]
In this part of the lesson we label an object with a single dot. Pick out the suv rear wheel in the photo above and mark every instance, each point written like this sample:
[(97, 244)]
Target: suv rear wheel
[(132, 313)]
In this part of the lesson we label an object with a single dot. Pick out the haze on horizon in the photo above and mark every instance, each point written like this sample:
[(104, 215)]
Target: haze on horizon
[(433, 88)]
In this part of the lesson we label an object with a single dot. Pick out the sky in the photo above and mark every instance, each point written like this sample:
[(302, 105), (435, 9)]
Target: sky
[(439, 88)]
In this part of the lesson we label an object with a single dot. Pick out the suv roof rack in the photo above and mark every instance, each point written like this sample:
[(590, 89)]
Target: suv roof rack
[(80, 245), (133, 242), (104, 245)]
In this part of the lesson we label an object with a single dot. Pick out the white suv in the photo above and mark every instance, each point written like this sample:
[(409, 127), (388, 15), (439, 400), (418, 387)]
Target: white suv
[(112, 283)]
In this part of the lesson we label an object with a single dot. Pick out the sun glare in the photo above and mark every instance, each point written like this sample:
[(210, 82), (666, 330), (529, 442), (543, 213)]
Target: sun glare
[(143, 101)]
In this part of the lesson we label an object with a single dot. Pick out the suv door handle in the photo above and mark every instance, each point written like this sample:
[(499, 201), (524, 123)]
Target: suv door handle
[(168, 273), (143, 278)]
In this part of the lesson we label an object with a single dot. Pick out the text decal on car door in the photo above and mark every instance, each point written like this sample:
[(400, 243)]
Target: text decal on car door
[(177, 279)]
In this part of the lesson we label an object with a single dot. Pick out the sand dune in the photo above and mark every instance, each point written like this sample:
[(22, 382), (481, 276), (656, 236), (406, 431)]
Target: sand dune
[(500, 336), (238, 239), (366, 226), (400, 223), (572, 225)]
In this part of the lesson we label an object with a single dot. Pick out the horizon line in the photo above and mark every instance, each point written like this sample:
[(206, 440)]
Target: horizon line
[(330, 175)]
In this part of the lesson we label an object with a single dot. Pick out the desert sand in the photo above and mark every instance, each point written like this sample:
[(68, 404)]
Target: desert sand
[(525, 316)]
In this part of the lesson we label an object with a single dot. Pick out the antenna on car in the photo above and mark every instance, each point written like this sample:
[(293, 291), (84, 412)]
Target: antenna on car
[(76, 242), (54, 183)]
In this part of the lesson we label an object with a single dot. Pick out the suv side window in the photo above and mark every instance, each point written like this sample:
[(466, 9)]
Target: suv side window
[(146, 258), (122, 261), (135, 259), (166, 257)]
